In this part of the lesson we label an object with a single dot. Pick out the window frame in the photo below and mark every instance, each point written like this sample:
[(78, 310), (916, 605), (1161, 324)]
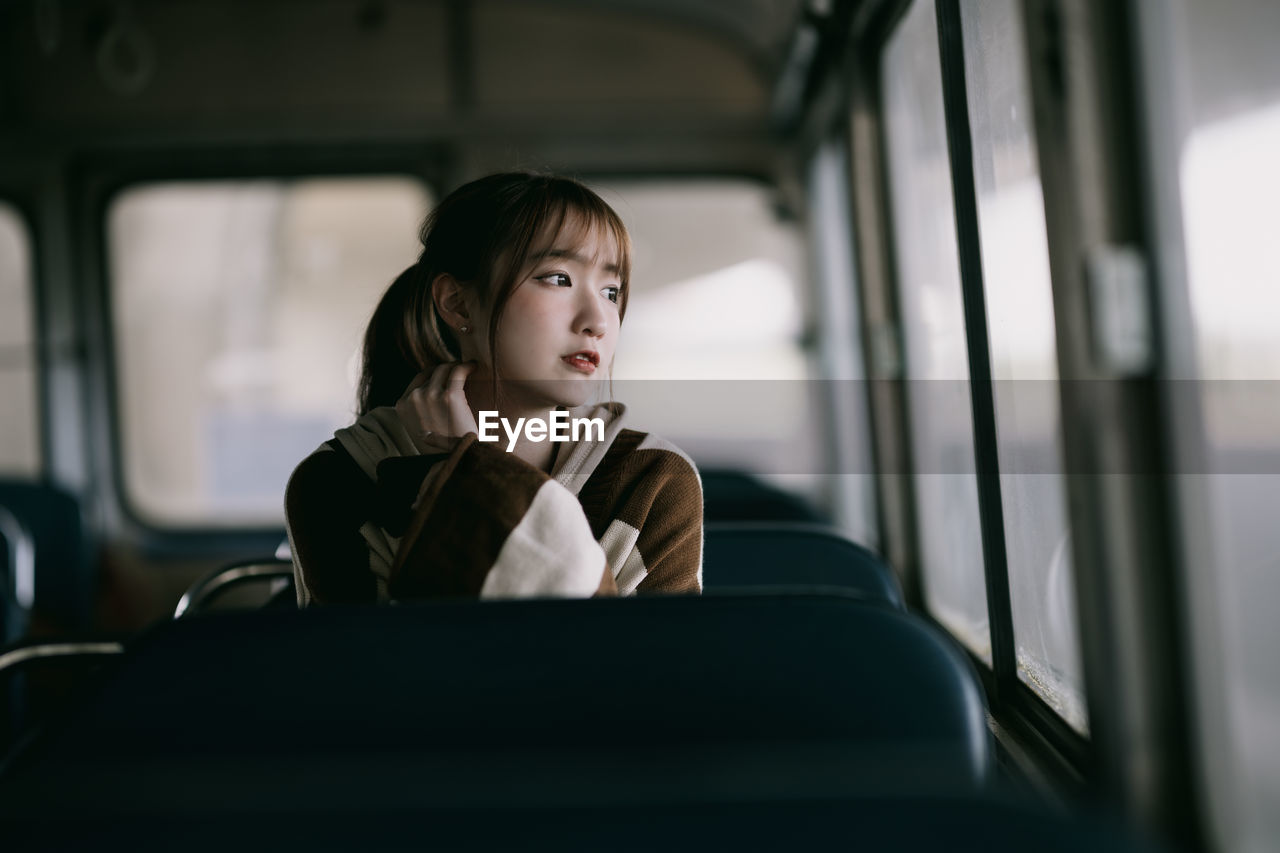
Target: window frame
[(1006, 689), (1021, 710), (1090, 145), (1035, 742), (439, 167), (99, 184)]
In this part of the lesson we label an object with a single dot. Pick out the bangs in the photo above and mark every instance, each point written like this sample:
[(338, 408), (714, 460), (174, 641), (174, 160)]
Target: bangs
[(572, 224), (565, 212)]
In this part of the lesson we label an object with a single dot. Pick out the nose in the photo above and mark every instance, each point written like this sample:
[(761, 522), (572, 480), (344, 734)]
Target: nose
[(592, 319)]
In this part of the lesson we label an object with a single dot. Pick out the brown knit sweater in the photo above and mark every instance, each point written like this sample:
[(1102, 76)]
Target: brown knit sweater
[(369, 519)]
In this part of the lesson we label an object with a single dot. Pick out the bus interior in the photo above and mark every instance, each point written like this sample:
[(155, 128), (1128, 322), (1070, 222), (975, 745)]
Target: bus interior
[(963, 308)]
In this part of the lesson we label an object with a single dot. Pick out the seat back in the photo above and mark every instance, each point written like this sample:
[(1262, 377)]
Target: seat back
[(274, 574), (666, 699), (775, 554), (63, 569), (39, 678), (729, 495), (17, 577)]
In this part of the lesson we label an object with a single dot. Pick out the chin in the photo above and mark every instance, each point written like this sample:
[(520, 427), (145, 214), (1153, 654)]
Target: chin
[(573, 393)]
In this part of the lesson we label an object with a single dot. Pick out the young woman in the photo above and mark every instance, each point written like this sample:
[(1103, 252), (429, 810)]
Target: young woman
[(502, 330)]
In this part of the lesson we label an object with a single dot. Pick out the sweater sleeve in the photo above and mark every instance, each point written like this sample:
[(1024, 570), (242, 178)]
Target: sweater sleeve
[(487, 524), (324, 512), (655, 525), (328, 502), (670, 539)]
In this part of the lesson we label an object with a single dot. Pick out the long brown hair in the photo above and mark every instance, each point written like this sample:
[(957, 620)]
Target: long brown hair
[(482, 235)]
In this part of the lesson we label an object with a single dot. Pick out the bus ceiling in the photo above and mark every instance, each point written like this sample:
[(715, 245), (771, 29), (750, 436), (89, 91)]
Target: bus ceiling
[(661, 83)]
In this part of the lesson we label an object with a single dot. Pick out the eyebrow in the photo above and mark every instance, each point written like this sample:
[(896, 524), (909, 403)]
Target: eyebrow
[(570, 255)]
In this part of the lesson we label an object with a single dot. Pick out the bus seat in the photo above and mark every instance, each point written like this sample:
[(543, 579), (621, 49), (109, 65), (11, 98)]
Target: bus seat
[(772, 554), (519, 703), (729, 495), (872, 824), (738, 554), (273, 572), (39, 678), (17, 576), (63, 569)]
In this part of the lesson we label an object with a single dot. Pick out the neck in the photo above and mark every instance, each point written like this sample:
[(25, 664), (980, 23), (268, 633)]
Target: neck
[(514, 415), (540, 454)]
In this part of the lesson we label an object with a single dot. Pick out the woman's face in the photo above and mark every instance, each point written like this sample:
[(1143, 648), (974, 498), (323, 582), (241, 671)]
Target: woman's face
[(559, 328)]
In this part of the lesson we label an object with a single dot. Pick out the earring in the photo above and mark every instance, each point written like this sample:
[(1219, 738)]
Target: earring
[(464, 329)]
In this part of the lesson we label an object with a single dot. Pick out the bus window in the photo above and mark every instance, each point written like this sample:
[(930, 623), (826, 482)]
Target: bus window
[(238, 309), (1019, 303), (711, 357), (19, 416), (838, 327), (1220, 121), (936, 357)]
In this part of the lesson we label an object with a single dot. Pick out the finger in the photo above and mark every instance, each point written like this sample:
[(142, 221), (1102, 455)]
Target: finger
[(461, 418), (412, 412), (415, 400), (434, 406), (439, 378), (414, 384), (458, 375)]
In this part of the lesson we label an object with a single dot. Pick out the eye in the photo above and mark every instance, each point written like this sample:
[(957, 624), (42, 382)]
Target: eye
[(611, 293), (558, 279)]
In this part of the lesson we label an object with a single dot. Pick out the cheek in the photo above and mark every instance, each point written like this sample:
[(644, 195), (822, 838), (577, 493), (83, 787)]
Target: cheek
[(521, 335), (615, 334), (529, 317)]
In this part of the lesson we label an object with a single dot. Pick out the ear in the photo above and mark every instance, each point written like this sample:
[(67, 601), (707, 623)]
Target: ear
[(451, 301)]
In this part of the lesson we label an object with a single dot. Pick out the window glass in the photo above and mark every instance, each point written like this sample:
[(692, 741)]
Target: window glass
[(1225, 73), (19, 416), (710, 354), (935, 349), (238, 309), (1019, 302)]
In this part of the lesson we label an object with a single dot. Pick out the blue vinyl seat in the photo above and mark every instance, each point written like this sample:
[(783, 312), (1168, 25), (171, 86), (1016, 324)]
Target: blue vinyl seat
[(17, 576), (778, 554), (747, 555), (64, 580), (872, 824), (558, 704), (730, 495), (274, 574)]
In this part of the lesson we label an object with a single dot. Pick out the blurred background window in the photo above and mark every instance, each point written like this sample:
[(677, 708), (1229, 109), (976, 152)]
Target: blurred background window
[(711, 355), (936, 352), (1220, 71), (1019, 303), (20, 414), (238, 309)]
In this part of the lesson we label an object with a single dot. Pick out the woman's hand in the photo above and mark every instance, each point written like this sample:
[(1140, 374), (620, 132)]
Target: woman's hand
[(435, 410)]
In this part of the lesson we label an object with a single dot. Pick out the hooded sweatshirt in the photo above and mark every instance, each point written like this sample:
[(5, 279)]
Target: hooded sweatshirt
[(371, 519)]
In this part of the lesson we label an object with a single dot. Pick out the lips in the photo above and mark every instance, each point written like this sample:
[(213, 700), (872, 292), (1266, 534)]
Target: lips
[(584, 360)]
